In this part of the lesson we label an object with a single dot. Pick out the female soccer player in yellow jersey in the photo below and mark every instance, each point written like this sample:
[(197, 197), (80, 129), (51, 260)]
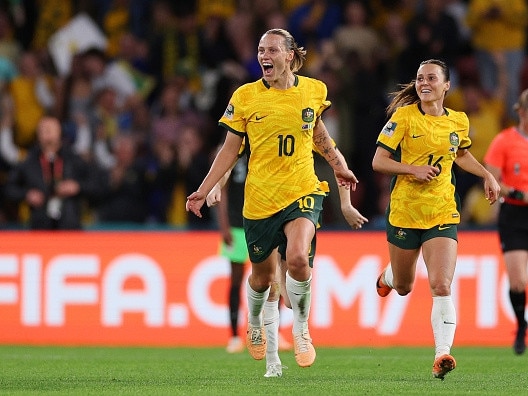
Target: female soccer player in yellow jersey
[(270, 311), (281, 116), (418, 146)]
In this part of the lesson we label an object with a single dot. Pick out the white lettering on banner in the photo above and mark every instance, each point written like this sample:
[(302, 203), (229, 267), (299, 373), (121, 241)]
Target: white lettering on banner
[(31, 290), (395, 307), (487, 292), (358, 285), (465, 269), (208, 271), (485, 269), (43, 291), (392, 315), (61, 291), (330, 284), (177, 315), (150, 299), (8, 268)]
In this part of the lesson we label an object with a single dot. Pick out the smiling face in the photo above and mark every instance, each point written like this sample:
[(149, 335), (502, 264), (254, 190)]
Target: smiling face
[(274, 59), (431, 84)]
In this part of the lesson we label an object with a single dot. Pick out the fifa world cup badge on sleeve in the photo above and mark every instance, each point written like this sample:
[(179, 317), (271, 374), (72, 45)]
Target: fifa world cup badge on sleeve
[(389, 128), (229, 111)]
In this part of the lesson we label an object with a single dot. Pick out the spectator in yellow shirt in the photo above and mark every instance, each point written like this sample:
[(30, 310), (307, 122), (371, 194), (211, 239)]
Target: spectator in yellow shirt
[(499, 26)]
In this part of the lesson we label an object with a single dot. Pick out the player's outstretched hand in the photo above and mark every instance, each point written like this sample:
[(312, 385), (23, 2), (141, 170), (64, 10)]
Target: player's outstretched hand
[(491, 189), (195, 202), (353, 217)]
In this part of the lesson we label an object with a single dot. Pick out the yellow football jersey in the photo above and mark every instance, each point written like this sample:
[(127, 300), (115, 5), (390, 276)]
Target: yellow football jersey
[(416, 138), (278, 125)]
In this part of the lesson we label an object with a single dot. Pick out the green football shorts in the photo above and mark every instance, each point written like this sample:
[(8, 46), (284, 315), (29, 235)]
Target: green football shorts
[(264, 235), (237, 252), (413, 238)]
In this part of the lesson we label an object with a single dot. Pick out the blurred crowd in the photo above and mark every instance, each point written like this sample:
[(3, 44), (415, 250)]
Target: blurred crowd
[(139, 108)]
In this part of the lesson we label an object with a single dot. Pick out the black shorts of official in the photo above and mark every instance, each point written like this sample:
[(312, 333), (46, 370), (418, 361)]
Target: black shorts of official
[(513, 227), (263, 236), (413, 238)]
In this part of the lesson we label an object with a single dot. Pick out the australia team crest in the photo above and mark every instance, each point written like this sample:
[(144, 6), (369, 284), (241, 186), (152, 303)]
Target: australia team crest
[(308, 114), (454, 139)]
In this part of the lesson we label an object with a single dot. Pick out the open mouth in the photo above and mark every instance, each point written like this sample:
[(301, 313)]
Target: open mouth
[(267, 68)]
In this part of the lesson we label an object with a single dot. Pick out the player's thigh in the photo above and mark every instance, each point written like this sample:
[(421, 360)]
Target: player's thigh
[(301, 219), (403, 262), (299, 234), (440, 256)]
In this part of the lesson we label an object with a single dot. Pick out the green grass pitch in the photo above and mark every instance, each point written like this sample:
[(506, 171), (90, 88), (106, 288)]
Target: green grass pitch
[(30, 370)]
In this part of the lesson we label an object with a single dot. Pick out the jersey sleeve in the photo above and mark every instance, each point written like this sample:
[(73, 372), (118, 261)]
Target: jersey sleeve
[(465, 141), (393, 131), (325, 103), (234, 119), (321, 91)]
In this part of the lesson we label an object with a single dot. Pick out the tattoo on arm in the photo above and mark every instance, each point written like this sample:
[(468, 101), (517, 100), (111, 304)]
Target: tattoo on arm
[(321, 140)]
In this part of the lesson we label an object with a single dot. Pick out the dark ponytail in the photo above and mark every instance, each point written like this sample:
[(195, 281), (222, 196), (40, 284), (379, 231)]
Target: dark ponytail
[(407, 94)]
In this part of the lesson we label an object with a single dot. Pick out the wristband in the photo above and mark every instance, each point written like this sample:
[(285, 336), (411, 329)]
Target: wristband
[(516, 194)]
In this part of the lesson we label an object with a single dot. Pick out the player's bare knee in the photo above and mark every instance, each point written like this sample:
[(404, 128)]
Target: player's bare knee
[(297, 263), (261, 282), (403, 290), (441, 288), (517, 285)]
